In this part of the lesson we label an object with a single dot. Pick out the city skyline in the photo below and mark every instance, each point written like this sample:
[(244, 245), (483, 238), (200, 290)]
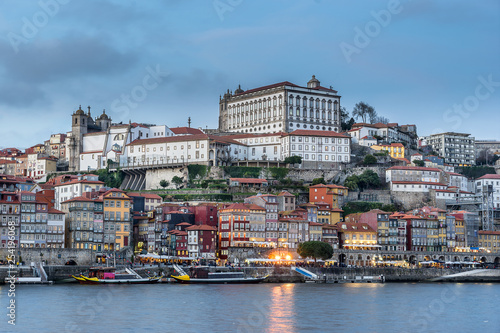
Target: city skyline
[(164, 62)]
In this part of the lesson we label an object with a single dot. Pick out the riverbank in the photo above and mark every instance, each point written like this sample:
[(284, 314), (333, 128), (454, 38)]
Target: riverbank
[(279, 274)]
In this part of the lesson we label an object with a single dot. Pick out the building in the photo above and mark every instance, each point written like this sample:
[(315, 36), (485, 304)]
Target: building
[(315, 231), (331, 194), (457, 149), (270, 203), (76, 188), (234, 228), (384, 133), (202, 241), (395, 150), (10, 216), (489, 240), (117, 210), (280, 107), (357, 236)]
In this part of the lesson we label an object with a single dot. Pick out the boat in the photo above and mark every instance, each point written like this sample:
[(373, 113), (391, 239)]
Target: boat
[(202, 275), (107, 275)]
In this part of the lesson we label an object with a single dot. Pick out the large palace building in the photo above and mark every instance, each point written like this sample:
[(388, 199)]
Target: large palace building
[(280, 107)]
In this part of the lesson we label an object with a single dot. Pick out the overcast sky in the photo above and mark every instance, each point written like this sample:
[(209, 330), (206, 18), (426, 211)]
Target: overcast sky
[(433, 64)]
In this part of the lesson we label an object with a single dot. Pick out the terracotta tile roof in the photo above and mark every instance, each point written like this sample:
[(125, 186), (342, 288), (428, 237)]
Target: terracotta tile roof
[(54, 211), (203, 227), (327, 186), (315, 223), (185, 130), (83, 181), (285, 194), (490, 176), (354, 227)]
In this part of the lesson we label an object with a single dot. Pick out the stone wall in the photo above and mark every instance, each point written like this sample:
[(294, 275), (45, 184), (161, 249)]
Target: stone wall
[(307, 175), (383, 196), (411, 200), (53, 256), (154, 176)]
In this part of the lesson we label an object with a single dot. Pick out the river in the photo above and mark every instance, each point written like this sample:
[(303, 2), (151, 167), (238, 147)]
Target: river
[(395, 307)]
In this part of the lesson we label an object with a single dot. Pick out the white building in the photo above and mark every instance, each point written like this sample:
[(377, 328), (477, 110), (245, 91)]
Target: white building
[(76, 188), (280, 107), (490, 183), (457, 149), (414, 187), (56, 228)]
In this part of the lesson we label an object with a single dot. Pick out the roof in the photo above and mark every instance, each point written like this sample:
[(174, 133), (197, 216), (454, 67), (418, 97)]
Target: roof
[(54, 211), (327, 186), (490, 176), (238, 206), (282, 84), (354, 227), (201, 227), (315, 223), (285, 194), (83, 181), (186, 130), (487, 232)]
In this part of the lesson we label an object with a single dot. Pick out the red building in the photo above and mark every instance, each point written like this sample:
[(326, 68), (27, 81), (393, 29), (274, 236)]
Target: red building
[(202, 241), (234, 228)]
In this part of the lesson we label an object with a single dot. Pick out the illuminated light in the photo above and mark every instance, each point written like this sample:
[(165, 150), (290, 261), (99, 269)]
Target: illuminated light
[(288, 257), (277, 257)]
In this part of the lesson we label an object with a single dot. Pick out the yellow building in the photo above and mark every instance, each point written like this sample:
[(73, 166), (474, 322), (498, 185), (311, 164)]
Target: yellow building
[(395, 150), (489, 240), (117, 220), (460, 233)]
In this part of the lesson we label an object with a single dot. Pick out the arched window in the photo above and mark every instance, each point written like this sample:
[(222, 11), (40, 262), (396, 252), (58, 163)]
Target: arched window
[(304, 112), (329, 115), (297, 112), (335, 106), (311, 114), (291, 111), (329, 105), (317, 114), (323, 115), (323, 104), (290, 100)]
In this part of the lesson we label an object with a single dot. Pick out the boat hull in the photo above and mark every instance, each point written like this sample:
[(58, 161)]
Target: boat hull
[(219, 281), (86, 280)]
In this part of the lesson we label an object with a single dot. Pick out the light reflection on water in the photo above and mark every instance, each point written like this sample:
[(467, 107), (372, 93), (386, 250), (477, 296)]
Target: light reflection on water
[(255, 308)]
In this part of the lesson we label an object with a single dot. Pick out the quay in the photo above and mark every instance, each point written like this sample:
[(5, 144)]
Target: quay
[(284, 274)]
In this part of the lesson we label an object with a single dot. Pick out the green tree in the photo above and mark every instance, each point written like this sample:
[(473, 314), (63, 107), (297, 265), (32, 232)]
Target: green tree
[(364, 111), (163, 183), (317, 181), (177, 181), (369, 178), (419, 163), (352, 182), (370, 159), (293, 159), (315, 250)]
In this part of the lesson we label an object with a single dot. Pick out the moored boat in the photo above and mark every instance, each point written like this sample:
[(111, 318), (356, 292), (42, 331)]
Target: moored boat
[(107, 275), (204, 276)]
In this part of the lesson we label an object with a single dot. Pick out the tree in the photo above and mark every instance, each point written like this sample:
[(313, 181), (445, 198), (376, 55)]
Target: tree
[(293, 159), (370, 159), (315, 250), (369, 178), (419, 163), (177, 181), (352, 182), (163, 183), (364, 111), (380, 119), (317, 181), (345, 122)]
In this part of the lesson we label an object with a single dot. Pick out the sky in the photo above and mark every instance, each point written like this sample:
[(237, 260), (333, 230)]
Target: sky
[(429, 63)]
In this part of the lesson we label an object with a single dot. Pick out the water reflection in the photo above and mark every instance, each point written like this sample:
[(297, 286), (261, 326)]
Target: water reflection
[(282, 310)]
